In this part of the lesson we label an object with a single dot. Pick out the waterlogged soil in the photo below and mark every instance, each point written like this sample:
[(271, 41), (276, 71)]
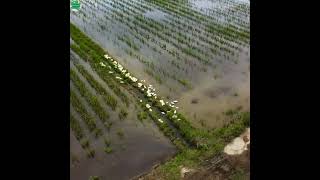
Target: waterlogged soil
[(210, 90), (141, 147)]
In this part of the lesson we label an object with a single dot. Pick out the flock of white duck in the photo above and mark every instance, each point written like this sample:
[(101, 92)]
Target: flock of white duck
[(149, 90)]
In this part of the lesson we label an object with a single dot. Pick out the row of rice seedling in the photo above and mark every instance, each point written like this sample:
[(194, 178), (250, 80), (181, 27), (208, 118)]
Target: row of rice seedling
[(81, 110), (102, 74), (90, 98), (214, 50), (108, 98), (76, 128), (175, 10), (90, 51), (200, 51), (140, 37), (208, 40), (173, 62), (123, 114), (128, 41)]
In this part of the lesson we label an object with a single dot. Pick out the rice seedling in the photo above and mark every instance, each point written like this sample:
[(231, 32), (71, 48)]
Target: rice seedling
[(123, 114), (91, 99), (76, 128), (78, 106), (120, 133)]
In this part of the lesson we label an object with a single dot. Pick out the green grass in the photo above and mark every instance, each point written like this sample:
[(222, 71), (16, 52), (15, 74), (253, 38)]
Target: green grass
[(239, 174), (193, 157)]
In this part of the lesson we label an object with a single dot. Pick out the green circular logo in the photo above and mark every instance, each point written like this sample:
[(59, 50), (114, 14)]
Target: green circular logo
[(75, 5)]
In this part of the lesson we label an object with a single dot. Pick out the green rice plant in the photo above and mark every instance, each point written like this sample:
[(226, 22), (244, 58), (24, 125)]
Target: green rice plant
[(107, 142), (184, 82), (142, 116), (108, 98), (94, 178), (90, 153), (85, 143), (79, 107), (93, 53), (76, 128), (98, 132), (74, 158), (91, 99), (108, 125), (123, 114), (120, 133), (108, 150)]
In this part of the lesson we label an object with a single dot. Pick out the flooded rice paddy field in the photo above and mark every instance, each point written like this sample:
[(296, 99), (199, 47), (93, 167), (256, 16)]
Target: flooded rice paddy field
[(193, 51), (119, 146)]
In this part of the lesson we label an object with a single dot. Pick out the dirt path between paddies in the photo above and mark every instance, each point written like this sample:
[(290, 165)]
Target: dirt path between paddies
[(234, 162)]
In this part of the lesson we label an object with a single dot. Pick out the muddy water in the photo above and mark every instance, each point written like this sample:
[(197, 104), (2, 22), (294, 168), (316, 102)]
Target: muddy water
[(223, 86), (155, 14), (140, 149), (230, 89)]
